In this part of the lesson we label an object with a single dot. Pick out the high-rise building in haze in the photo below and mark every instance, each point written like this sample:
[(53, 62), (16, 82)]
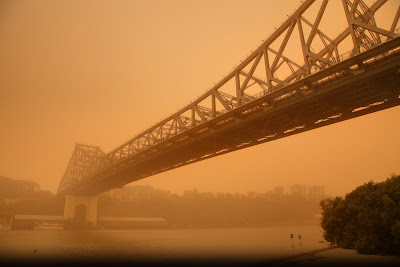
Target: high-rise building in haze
[(12, 188), (316, 192), (298, 190)]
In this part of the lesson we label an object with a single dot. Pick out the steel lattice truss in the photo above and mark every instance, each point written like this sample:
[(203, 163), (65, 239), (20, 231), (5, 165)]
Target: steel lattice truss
[(84, 160), (256, 76)]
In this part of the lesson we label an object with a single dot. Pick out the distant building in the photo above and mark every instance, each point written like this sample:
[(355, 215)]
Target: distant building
[(115, 193), (16, 200), (316, 192), (299, 191), (267, 195), (137, 192), (158, 193), (207, 195), (191, 194), (237, 196), (31, 222), (12, 188), (199, 195), (251, 194), (5, 217), (219, 195), (131, 222), (145, 192), (278, 192)]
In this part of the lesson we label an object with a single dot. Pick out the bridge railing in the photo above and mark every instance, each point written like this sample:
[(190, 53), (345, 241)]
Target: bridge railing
[(365, 47)]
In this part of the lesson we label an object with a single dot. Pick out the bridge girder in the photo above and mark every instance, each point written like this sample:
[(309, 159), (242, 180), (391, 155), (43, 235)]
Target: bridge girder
[(212, 122)]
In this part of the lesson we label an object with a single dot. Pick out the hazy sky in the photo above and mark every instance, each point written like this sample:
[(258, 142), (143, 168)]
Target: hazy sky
[(99, 72)]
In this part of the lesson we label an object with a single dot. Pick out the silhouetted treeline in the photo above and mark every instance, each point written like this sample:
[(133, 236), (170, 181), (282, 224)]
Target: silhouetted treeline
[(237, 210), (367, 219)]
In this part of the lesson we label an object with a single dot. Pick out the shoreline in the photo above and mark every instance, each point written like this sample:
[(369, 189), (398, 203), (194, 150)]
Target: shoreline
[(305, 254), (335, 255), (169, 226)]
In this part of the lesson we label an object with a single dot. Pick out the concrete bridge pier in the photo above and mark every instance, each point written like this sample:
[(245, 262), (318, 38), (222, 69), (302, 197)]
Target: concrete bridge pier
[(81, 209)]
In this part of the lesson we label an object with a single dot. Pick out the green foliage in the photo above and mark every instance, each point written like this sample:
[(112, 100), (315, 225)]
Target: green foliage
[(367, 219), (396, 233)]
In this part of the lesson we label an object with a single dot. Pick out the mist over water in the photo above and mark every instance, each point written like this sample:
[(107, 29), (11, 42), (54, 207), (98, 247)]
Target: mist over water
[(253, 244)]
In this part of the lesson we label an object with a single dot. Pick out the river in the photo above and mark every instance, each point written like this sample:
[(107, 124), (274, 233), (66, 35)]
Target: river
[(250, 244)]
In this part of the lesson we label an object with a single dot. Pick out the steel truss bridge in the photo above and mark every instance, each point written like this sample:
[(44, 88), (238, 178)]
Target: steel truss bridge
[(327, 87)]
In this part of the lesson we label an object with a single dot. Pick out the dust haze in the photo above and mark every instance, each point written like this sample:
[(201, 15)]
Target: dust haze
[(99, 72)]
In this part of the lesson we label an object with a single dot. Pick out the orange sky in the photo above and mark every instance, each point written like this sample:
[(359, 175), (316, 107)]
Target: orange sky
[(98, 72)]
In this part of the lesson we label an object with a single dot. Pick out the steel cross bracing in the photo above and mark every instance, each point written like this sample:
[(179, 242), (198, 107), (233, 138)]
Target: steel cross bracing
[(217, 109), (83, 160)]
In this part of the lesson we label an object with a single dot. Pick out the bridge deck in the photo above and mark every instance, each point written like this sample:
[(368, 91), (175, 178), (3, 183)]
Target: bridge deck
[(365, 83)]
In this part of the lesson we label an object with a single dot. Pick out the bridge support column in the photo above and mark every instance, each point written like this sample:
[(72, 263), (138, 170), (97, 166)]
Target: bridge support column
[(81, 209)]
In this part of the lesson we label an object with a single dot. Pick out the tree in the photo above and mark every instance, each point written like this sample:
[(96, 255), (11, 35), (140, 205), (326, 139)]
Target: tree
[(367, 219)]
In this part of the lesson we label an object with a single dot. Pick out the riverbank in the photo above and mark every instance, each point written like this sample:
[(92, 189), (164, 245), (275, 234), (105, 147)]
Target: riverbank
[(336, 256), (38, 225)]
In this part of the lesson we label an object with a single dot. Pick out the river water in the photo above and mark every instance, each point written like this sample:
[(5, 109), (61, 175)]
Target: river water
[(251, 244)]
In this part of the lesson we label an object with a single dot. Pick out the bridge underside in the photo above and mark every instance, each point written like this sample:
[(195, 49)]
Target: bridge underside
[(253, 105), (372, 90)]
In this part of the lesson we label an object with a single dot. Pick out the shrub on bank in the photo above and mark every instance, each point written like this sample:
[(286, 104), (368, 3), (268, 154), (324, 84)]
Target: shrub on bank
[(367, 219)]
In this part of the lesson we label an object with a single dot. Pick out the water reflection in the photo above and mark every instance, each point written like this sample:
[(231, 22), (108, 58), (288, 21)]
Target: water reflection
[(252, 244)]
